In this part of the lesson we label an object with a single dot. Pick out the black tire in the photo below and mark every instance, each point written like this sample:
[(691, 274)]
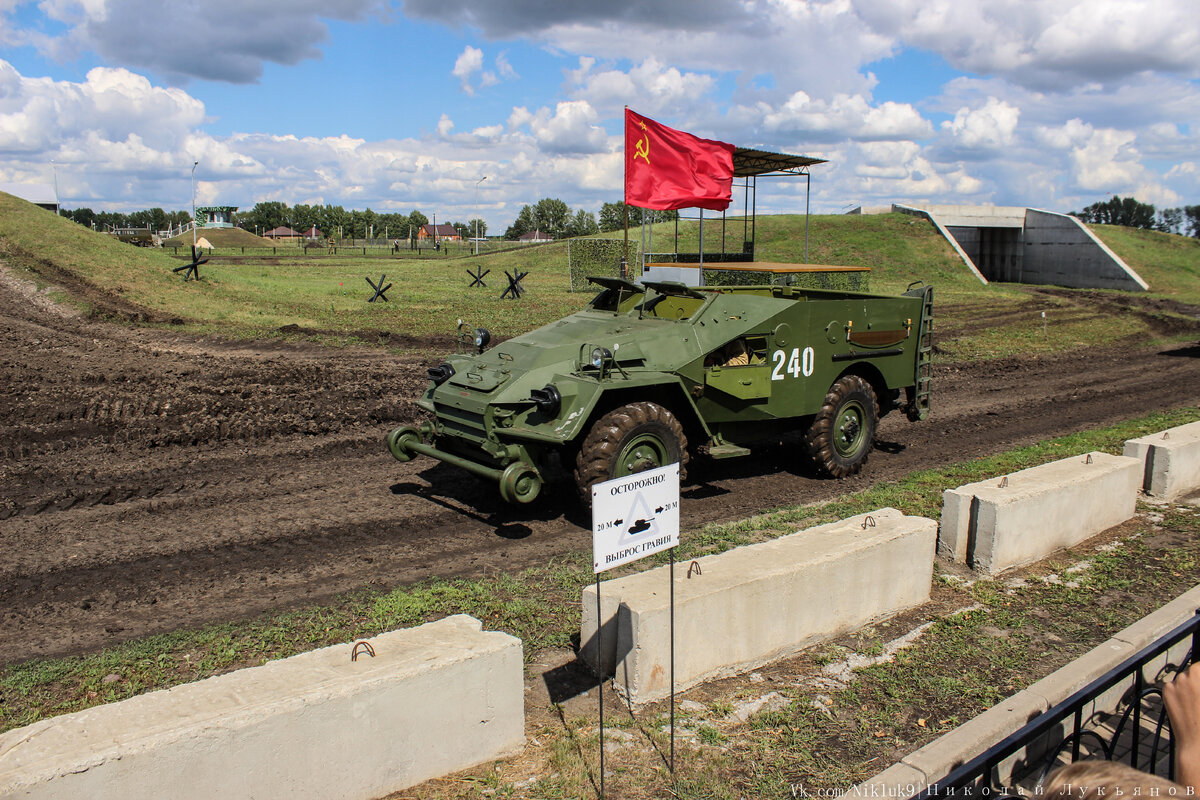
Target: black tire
[(843, 432), (630, 439)]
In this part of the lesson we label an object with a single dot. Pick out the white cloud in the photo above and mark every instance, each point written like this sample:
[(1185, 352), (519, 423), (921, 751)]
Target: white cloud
[(223, 40), (651, 86), (1046, 44), (1107, 161), (991, 126), (571, 128), (37, 113), (120, 142), (469, 61), (843, 117), (794, 39), (505, 68)]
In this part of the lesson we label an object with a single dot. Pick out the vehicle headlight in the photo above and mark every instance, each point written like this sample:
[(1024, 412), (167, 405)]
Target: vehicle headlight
[(482, 337), (441, 373), (600, 355), (547, 399)]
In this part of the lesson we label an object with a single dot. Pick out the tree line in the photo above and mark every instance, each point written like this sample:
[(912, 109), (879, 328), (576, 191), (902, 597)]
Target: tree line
[(1130, 212), (330, 220), (554, 217), (549, 215), (154, 218)]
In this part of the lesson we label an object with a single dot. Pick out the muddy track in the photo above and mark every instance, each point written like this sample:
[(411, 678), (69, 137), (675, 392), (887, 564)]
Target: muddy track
[(151, 481)]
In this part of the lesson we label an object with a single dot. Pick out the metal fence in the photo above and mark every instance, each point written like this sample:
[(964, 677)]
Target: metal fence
[(1118, 717)]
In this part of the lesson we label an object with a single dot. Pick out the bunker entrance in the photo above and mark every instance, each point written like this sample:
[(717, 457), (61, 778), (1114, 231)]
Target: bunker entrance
[(997, 252)]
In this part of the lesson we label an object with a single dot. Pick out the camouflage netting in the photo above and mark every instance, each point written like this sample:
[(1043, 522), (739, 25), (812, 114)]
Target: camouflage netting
[(838, 281), (599, 257)]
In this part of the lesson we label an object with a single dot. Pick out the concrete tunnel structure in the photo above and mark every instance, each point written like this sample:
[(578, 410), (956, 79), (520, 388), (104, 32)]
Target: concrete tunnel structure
[(1013, 244)]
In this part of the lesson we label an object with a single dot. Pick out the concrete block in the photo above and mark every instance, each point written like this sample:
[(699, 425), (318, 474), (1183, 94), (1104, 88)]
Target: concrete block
[(898, 781), (758, 603), (434, 699), (955, 527), (1155, 625), (968, 740), (1172, 461), (936, 759), (1025, 516)]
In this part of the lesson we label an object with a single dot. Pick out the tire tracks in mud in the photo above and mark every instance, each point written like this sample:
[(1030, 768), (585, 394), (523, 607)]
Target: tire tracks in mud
[(120, 517)]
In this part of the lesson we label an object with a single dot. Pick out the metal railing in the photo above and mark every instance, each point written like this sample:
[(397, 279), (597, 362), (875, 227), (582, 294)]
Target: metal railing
[(1136, 732)]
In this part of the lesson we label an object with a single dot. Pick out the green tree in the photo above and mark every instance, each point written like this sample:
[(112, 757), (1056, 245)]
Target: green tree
[(1192, 215), (1169, 220), (415, 220), (1125, 211), (552, 216), (395, 226), (612, 216), (583, 224), (266, 215), (83, 216), (522, 225), (477, 225)]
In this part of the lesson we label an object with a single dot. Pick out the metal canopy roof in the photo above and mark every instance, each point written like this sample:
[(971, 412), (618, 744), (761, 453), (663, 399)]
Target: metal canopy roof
[(748, 162)]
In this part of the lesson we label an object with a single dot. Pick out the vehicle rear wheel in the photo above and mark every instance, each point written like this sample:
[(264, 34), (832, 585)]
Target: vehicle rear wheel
[(843, 432), (627, 440)]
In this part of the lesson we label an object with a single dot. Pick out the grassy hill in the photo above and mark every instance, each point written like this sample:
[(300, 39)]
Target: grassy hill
[(220, 237), (1168, 262), (323, 296)]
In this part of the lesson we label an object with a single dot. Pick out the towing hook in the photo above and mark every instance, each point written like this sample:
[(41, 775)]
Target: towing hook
[(520, 483), (399, 439)]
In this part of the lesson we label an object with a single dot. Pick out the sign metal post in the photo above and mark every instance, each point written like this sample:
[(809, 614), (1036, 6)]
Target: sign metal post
[(633, 517)]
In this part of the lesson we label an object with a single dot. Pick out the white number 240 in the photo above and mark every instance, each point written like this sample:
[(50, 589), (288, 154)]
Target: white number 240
[(799, 363)]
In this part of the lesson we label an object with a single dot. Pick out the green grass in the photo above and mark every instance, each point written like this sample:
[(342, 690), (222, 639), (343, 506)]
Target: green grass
[(539, 605), (318, 295), (1168, 262)]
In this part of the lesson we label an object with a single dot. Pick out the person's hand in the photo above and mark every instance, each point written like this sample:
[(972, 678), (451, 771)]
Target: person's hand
[(1182, 699)]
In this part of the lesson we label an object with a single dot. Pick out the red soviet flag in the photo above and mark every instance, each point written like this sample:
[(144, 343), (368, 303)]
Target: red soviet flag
[(666, 168)]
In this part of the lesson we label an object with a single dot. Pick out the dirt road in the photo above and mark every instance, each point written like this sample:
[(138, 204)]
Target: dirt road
[(151, 481)]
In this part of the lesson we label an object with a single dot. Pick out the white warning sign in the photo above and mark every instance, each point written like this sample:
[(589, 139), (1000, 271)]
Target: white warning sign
[(634, 516)]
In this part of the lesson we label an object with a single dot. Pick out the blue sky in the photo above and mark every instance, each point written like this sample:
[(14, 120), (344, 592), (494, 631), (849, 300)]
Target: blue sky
[(402, 105)]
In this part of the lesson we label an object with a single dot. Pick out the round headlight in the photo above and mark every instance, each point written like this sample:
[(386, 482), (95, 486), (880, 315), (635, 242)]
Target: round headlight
[(599, 356), (482, 337)]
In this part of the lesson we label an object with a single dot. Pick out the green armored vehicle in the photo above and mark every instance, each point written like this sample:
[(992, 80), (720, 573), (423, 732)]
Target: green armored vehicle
[(649, 373)]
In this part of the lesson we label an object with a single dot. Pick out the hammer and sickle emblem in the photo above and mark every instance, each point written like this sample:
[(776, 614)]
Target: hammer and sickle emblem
[(642, 147)]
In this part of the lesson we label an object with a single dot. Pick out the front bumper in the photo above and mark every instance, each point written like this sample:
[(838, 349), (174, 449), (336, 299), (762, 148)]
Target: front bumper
[(519, 479)]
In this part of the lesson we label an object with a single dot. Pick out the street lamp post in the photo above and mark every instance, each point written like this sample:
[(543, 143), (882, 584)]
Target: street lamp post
[(481, 180), (194, 165)]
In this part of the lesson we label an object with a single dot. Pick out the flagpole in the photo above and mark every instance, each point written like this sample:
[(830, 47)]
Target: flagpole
[(625, 198)]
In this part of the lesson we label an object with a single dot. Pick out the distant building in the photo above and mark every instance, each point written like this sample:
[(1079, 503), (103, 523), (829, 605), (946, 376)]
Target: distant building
[(282, 232), (443, 232), (40, 194), (535, 236), (215, 216), (313, 233)]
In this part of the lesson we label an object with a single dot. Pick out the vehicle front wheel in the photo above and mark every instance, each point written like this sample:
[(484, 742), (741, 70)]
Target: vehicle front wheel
[(627, 440), (843, 432)]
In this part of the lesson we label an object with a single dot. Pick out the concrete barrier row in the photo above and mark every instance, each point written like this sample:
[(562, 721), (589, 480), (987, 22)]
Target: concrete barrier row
[(432, 700), (752, 605), (446, 696)]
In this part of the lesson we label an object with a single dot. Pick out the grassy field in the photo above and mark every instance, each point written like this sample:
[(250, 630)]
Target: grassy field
[(315, 294)]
